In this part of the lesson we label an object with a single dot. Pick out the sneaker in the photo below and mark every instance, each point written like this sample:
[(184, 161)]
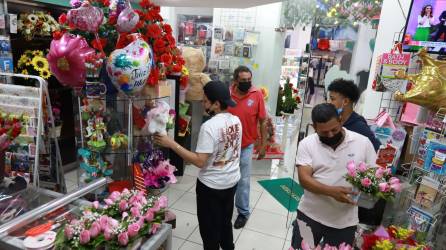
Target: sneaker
[(240, 221)]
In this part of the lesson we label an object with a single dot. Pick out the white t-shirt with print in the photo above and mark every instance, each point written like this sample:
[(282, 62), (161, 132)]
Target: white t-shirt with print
[(330, 168), (221, 136)]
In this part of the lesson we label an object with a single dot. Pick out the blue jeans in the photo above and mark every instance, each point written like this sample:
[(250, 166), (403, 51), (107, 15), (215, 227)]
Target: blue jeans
[(242, 194)]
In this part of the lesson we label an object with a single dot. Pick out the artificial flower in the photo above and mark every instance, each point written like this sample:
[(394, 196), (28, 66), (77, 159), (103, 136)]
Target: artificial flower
[(84, 237), (133, 230), (39, 63), (25, 72), (366, 182), (123, 239), (33, 18), (45, 73), (362, 167)]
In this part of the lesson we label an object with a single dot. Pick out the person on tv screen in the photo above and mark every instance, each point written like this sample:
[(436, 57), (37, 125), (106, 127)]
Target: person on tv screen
[(441, 27), (425, 21)]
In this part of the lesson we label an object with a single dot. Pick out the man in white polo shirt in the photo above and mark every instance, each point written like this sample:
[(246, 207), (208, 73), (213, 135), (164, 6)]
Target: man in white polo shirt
[(327, 213)]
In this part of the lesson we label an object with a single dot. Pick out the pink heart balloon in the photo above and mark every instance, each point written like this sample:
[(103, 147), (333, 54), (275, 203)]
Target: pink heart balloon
[(86, 18), (127, 20), (67, 59)]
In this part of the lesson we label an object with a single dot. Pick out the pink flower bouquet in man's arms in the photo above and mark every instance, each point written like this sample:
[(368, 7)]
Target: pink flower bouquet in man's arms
[(377, 182)]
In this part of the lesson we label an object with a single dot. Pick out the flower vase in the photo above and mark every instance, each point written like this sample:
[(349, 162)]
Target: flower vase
[(157, 191), (367, 201)]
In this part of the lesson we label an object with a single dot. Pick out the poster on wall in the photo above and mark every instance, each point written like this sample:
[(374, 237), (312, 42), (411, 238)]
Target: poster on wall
[(425, 26)]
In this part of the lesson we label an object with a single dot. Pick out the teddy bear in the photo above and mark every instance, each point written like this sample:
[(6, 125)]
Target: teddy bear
[(195, 63), (157, 118)]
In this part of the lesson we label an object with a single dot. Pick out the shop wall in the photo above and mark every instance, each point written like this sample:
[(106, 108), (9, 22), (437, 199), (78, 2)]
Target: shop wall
[(392, 21), (268, 53)]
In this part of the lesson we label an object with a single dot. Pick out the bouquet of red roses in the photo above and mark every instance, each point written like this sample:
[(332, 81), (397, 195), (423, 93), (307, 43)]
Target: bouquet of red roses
[(10, 128)]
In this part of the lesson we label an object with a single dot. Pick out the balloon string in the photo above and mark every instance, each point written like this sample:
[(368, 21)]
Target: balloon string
[(98, 40)]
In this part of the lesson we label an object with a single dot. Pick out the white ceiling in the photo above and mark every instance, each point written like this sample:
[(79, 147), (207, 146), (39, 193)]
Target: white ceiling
[(214, 3)]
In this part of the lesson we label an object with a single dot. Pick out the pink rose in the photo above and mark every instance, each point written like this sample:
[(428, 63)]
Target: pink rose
[(114, 195), (95, 229), (351, 173), (388, 171), (103, 221), (108, 233), (143, 200), (155, 227), (344, 246), (123, 205), (125, 192), (351, 166), (379, 173), (125, 214), (68, 232), (141, 221), (155, 209), (394, 180), (362, 167), (84, 238), (113, 223), (96, 204), (135, 211), (149, 216), (366, 182), (108, 202), (383, 187), (123, 239), (133, 229), (163, 201), (396, 187)]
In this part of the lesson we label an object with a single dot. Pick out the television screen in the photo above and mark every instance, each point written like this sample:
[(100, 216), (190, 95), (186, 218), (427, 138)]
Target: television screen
[(426, 26)]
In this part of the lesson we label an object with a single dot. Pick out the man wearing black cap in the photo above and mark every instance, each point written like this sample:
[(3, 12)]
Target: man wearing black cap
[(218, 157)]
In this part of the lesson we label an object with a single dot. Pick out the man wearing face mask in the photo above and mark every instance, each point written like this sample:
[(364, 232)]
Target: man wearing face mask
[(250, 109), (326, 212), (344, 95)]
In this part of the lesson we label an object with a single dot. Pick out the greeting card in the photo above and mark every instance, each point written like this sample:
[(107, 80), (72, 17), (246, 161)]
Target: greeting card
[(427, 192), (420, 220), (435, 159), (386, 156)]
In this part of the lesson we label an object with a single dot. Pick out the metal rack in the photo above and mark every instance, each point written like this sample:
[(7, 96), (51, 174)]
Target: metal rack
[(41, 94)]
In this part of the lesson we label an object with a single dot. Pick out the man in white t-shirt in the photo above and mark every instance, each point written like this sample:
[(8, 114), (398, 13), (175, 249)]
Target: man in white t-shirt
[(327, 213), (218, 157)]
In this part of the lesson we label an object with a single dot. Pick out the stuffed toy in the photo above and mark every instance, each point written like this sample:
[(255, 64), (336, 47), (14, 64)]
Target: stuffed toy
[(195, 63), (157, 118)]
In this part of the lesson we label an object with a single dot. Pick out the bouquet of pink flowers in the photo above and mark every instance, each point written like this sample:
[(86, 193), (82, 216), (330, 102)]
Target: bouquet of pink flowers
[(377, 182), (125, 218)]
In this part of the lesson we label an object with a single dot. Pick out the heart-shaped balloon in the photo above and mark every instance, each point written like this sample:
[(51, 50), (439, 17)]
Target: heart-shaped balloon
[(67, 59), (129, 68), (127, 20), (86, 18)]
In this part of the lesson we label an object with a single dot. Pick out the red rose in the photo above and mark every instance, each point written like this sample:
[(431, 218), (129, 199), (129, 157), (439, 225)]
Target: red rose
[(154, 31), (154, 77), (159, 44), (57, 34), (63, 19), (177, 68), (98, 44), (112, 20), (184, 81), (166, 59), (145, 4), (106, 2), (171, 40), (156, 9), (295, 91), (167, 28), (139, 25)]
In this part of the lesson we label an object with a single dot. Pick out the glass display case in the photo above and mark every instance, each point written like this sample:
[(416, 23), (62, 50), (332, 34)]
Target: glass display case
[(33, 209)]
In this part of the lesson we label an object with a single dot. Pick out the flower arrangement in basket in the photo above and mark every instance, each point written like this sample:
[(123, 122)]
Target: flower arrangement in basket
[(289, 98), (372, 183), (393, 238), (10, 128), (126, 218), (38, 23), (156, 169), (33, 62)]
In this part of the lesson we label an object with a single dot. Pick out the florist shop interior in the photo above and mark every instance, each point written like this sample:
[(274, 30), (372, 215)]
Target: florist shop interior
[(204, 124)]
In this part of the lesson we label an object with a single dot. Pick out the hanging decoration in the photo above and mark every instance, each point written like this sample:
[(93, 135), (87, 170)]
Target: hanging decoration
[(428, 86), (106, 25), (330, 12)]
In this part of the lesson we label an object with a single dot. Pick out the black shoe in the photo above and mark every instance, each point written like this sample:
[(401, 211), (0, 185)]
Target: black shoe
[(240, 221)]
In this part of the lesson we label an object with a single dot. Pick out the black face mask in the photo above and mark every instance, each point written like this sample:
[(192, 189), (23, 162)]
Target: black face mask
[(210, 112), (244, 86), (332, 141)]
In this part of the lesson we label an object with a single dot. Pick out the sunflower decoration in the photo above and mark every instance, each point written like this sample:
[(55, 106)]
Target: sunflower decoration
[(33, 62)]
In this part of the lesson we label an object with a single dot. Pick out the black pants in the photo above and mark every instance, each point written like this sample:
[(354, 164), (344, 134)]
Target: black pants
[(373, 216), (330, 236), (441, 31), (214, 211)]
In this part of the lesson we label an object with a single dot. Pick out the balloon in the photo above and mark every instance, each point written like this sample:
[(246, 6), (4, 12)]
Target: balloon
[(129, 68), (127, 20), (86, 18), (67, 59), (429, 86)]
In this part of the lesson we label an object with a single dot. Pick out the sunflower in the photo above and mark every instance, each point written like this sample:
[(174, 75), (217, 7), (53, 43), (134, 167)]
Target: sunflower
[(24, 72), (40, 63), (37, 53), (33, 18), (45, 74)]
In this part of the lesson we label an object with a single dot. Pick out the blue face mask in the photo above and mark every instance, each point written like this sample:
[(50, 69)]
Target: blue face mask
[(340, 110)]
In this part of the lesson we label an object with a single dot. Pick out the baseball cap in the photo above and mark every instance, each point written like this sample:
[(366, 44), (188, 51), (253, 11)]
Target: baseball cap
[(218, 91)]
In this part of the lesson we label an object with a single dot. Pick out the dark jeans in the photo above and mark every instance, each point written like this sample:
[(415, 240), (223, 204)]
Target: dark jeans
[(373, 216), (330, 236), (214, 211)]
